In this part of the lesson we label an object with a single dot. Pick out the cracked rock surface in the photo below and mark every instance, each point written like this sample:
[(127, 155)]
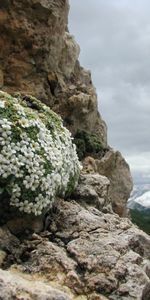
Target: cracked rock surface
[(84, 254)]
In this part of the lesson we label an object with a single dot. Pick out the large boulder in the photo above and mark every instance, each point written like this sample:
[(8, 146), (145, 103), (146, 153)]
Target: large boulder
[(38, 160), (116, 169), (93, 189)]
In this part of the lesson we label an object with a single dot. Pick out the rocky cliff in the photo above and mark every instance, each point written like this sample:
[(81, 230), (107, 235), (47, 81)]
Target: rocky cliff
[(38, 56), (80, 249)]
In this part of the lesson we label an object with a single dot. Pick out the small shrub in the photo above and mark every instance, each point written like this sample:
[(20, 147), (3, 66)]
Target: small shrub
[(38, 160), (88, 144)]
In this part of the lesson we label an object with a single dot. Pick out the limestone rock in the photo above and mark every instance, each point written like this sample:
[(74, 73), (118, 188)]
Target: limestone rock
[(89, 165), (15, 286), (8, 242), (84, 254), (83, 114), (40, 58), (36, 38), (116, 169), (69, 55), (93, 189)]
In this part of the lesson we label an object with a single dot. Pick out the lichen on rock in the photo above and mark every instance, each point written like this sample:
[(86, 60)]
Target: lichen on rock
[(38, 160)]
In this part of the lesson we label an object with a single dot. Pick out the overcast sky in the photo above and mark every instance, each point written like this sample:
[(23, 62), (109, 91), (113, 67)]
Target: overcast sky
[(114, 37)]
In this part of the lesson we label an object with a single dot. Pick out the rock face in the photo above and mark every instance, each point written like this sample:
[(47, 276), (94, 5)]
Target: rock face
[(81, 249), (39, 57), (84, 254), (114, 166), (93, 189)]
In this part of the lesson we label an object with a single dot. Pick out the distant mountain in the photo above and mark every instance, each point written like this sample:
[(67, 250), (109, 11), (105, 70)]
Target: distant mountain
[(139, 206)]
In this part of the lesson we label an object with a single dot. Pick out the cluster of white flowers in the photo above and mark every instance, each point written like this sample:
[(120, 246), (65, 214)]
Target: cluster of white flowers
[(34, 169)]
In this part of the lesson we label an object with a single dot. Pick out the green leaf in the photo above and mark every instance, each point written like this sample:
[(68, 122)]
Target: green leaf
[(1, 190)]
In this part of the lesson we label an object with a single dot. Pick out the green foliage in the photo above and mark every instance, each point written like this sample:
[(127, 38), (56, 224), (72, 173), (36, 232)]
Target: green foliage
[(88, 144), (38, 160), (141, 218), (71, 185)]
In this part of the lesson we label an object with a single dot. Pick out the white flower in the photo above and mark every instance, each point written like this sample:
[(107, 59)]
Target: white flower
[(24, 122), (20, 109), (4, 121), (2, 104), (40, 167)]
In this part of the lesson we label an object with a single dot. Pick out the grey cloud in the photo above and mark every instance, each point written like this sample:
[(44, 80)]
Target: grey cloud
[(114, 37)]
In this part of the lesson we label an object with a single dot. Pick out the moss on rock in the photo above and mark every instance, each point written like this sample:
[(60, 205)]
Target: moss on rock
[(38, 160), (88, 144)]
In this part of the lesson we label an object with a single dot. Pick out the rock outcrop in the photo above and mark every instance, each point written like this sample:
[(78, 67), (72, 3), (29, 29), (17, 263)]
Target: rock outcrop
[(27, 287), (38, 56), (93, 189), (84, 254), (80, 249), (113, 166)]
